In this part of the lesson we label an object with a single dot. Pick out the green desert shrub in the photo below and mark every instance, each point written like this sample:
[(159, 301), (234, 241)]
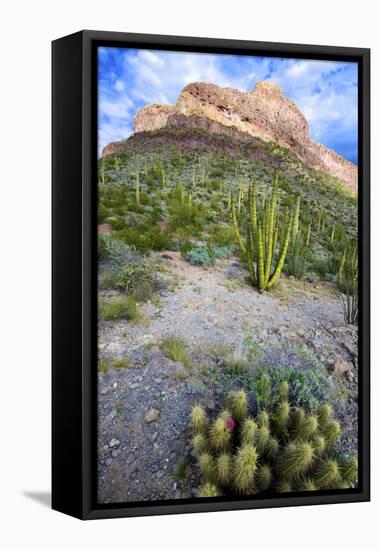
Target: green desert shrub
[(308, 384), (277, 451), (120, 307), (222, 252), (108, 276), (223, 235), (115, 250), (103, 213), (102, 250), (138, 279), (200, 256), (189, 216), (116, 222), (145, 237)]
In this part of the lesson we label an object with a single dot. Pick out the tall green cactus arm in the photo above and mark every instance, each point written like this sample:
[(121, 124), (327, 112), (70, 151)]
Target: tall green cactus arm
[(308, 234), (229, 199), (137, 183), (279, 267), (236, 228), (102, 171), (270, 240), (261, 271), (295, 226), (340, 270), (252, 201), (249, 255)]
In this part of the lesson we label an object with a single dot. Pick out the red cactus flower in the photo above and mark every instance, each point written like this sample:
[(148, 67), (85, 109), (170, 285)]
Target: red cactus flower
[(230, 423)]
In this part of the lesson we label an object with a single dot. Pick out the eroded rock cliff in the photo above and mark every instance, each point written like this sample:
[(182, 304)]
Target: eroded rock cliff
[(264, 113)]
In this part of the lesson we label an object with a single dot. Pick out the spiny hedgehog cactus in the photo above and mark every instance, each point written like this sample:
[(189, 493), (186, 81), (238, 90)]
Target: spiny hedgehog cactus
[(283, 449)]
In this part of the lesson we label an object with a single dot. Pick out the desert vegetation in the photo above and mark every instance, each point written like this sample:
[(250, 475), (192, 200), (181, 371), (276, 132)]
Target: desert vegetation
[(282, 448), (278, 216), (228, 293)]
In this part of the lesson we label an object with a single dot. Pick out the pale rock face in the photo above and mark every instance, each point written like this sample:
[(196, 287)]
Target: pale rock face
[(264, 113), (153, 117)]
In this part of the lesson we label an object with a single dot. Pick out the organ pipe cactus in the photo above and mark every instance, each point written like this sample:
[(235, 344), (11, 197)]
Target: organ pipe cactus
[(102, 171), (298, 247), (137, 183), (283, 449), (265, 254)]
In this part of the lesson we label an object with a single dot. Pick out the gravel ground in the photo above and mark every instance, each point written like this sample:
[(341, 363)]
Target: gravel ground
[(143, 450)]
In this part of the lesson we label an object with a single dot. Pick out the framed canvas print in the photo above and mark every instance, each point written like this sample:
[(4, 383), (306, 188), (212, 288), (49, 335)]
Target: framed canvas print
[(210, 274)]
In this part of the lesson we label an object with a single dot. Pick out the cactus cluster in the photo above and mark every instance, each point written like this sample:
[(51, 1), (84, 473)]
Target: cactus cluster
[(267, 237), (283, 449)]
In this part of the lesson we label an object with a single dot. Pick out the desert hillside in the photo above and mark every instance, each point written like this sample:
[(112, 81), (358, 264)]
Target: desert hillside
[(264, 113), (187, 254)]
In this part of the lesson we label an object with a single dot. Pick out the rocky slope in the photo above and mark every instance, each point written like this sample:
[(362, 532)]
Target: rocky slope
[(144, 409), (264, 113)]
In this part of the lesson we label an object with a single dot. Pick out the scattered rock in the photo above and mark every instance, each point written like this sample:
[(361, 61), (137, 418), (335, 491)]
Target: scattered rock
[(114, 442), (152, 415), (340, 367)]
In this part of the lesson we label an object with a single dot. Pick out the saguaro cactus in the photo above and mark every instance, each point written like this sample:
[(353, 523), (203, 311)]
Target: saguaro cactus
[(262, 231)]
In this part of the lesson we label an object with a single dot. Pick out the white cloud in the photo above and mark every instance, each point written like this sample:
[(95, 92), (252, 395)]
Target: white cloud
[(119, 85), (152, 58), (325, 91), (119, 108)]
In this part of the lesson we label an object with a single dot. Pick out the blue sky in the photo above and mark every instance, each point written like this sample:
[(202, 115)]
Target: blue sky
[(325, 91)]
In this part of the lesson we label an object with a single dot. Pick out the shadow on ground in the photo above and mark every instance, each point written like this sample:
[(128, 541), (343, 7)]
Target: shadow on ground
[(41, 497)]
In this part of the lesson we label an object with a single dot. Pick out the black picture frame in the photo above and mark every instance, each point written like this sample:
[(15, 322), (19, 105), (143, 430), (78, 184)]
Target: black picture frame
[(74, 296)]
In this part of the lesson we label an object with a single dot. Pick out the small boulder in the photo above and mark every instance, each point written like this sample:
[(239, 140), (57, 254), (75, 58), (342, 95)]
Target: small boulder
[(152, 415)]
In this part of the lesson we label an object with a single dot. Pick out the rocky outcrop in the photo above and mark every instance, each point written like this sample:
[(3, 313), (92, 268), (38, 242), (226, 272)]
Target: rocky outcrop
[(264, 113), (152, 117)]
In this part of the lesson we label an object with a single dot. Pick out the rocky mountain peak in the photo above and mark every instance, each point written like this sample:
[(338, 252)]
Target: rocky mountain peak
[(264, 113), (267, 89)]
